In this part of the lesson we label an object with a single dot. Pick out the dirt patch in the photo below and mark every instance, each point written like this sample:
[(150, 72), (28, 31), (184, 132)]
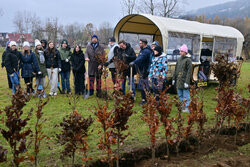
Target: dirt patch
[(190, 155)]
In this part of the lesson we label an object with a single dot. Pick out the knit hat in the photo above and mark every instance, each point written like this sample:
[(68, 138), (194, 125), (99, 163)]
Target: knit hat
[(184, 48), (37, 42), (94, 36), (26, 44), (156, 43), (112, 39), (64, 41), (7, 43), (13, 43), (158, 49)]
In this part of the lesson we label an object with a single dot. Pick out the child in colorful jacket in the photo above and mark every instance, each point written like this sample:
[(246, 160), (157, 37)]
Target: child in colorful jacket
[(158, 71)]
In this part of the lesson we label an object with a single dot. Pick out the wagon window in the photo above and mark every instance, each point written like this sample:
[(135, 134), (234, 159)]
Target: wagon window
[(225, 46), (176, 40), (133, 39)]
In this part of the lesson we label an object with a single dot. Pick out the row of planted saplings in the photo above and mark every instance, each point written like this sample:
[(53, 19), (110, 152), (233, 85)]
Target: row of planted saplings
[(75, 128)]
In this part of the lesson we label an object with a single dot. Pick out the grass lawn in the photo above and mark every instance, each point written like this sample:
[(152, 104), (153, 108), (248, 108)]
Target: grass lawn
[(58, 107)]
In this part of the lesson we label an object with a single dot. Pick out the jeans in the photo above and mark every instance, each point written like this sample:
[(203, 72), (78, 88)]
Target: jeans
[(124, 85), (143, 83), (29, 82), (15, 82), (184, 95), (65, 79)]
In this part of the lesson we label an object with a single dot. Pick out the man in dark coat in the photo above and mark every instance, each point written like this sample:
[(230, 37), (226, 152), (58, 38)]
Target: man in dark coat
[(142, 66), (78, 64), (7, 50), (127, 54), (11, 62), (92, 54)]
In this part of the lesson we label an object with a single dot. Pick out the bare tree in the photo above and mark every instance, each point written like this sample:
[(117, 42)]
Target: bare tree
[(104, 32), (74, 33), (87, 32), (18, 22), (168, 7), (128, 6), (148, 6), (53, 29)]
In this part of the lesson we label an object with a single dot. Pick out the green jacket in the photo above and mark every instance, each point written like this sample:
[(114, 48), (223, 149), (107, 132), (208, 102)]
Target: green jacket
[(65, 53), (183, 71), (41, 65)]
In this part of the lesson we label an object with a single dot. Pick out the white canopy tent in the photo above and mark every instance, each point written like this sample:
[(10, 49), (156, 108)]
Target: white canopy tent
[(159, 27)]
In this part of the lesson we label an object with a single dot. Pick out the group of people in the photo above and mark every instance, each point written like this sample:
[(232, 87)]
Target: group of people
[(46, 60), (152, 66)]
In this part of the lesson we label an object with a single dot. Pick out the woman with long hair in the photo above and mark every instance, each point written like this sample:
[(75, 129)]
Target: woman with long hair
[(78, 65), (53, 65)]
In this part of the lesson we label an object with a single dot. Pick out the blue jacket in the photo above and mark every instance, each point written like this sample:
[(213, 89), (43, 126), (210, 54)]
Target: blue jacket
[(159, 67), (143, 60), (29, 65)]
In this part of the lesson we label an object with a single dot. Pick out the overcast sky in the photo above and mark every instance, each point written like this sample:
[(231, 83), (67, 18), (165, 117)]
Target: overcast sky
[(81, 11)]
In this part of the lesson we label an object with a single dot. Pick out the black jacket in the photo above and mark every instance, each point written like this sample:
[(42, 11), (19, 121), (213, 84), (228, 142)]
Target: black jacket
[(53, 61), (78, 62), (4, 55), (12, 61), (128, 55)]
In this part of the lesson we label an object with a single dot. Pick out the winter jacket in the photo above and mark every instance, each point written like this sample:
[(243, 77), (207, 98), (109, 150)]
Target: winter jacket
[(41, 62), (78, 62), (112, 52), (53, 61), (65, 53), (142, 61), (159, 67), (7, 50), (29, 65), (12, 61), (93, 52), (128, 55), (183, 71)]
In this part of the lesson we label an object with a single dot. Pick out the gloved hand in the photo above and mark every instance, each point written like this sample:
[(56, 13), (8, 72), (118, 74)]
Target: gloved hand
[(106, 64), (173, 82), (59, 69), (131, 64), (39, 73), (67, 60), (12, 75), (185, 85)]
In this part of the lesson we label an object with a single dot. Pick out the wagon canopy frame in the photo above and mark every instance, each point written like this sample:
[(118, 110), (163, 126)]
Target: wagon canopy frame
[(159, 27)]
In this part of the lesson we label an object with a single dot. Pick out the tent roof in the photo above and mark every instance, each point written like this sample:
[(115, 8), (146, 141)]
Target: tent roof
[(155, 25)]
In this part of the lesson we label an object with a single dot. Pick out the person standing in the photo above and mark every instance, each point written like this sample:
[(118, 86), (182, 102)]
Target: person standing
[(92, 54), (127, 54), (182, 76), (29, 67), (40, 79), (53, 65), (114, 48), (78, 65), (158, 71), (142, 66), (12, 62), (6, 51), (44, 44), (65, 54)]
